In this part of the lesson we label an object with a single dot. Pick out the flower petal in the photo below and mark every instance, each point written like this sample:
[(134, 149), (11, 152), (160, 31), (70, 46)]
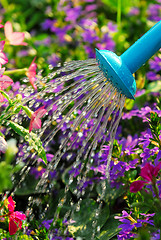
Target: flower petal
[(5, 82), (36, 123), (40, 112), (12, 227), (157, 169), (11, 204), (137, 186), (1, 97), (147, 172), (8, 30), (3, 58)]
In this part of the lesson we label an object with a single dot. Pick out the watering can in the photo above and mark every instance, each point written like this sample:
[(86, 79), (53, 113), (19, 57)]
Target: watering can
[(119, 69)]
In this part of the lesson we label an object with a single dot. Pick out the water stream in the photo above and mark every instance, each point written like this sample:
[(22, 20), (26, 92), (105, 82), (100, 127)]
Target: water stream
[(83, 113)]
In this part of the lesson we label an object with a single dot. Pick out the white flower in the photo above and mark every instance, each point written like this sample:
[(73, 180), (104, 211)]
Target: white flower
[(12, 148), (3, 145)]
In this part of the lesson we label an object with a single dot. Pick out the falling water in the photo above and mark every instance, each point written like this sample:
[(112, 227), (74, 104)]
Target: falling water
[(82, 105)]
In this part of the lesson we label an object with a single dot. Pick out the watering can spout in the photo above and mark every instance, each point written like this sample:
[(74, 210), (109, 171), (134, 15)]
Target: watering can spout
[(143, 49), (119, 69)]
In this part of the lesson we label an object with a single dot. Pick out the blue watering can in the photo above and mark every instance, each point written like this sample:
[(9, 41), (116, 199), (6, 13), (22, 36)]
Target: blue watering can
[(119, 69)]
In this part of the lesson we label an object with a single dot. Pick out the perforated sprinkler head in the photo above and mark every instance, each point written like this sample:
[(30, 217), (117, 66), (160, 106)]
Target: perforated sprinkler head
[(119, 69)]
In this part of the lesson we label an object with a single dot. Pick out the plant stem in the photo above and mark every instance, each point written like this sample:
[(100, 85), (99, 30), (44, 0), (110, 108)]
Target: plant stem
[(8, 72), (119, 14)]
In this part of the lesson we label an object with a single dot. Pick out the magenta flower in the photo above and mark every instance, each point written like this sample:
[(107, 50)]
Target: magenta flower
[(15, 218), (148, 172), (35, 118), (31, 73), (5, 82), (14, 38), (137, 186)]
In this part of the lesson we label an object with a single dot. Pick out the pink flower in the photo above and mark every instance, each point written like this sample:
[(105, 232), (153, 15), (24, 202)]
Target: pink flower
[(35, 118), (5, 82), (137, 186), (3, 58), (148, 172), (15, 38), (1, 26), (11, 204), (31, 73), (15, 218)]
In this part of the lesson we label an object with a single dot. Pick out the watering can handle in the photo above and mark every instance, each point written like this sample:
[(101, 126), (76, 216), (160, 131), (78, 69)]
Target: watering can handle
[(143, 49)]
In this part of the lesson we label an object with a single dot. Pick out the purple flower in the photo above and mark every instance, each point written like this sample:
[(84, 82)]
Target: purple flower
[(147, 218), (47, 223), (152, 76), (47, 24), (139, 92), (75, 171), (134, 11), (112, 27), (128, 225), (156, 235), (154, 12), (72, 14), (155, 63), (23, 53), (46, 41), (148, 153), (53, 59), (86, 23), (89, 36), (90, 51), (129, 144), (90, 7), (155, 67), (144, 139), (142, 113)]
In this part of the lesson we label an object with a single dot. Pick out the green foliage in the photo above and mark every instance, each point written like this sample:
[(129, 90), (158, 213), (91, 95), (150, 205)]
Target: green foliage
[(5, 176), (110, 229), (125, 4), (107, 193), (31, 138), (87, 218)]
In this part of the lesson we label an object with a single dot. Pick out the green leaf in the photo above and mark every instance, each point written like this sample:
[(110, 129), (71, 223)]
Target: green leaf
[(28, 188), (33, 140), (154, 86), (144, 207), (66, 180), (5, 176), (88, 218), (110, 229), (107, 193)]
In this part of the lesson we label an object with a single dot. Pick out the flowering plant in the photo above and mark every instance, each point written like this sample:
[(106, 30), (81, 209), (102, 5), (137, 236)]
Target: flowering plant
[(63, 195)]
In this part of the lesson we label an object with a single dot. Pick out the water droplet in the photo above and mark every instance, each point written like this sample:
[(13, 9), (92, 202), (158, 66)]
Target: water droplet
[(98, 228), (80, 134)]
